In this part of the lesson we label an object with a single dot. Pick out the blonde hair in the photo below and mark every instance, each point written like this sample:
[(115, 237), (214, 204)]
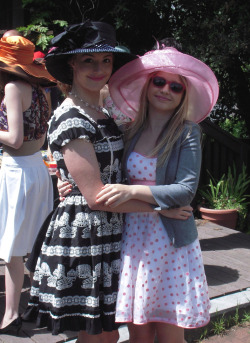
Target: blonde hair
[(170, 132)]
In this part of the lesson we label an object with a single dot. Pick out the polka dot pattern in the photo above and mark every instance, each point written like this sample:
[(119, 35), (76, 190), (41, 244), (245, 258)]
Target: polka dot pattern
[(158, 281)]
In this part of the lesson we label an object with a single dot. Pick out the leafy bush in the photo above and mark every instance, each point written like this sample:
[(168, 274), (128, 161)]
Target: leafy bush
[(229, 192), (237, 127), (39, 33)]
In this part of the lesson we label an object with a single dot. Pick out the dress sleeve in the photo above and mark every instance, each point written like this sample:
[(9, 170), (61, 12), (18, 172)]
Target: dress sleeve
[(70, 125)]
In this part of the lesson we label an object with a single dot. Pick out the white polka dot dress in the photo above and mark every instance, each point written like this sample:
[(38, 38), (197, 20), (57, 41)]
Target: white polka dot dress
[(158, 283)]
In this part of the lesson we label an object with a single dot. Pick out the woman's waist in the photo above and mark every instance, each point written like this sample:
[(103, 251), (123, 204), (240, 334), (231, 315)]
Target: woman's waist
[(34, 160), (27, 148), (142, 182)]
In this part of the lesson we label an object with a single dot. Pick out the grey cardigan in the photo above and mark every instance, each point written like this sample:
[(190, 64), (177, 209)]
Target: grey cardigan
[(176, 182)]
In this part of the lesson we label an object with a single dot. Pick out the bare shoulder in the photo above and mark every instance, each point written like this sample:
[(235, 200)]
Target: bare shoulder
[(18, 93), (18, 86)]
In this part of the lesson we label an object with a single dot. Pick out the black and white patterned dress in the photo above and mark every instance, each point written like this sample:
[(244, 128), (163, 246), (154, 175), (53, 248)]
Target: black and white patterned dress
[(76, 278)]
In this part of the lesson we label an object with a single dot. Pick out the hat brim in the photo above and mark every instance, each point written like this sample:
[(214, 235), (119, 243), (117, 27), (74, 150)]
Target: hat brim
[(126, 84), (57, 63), (34, 73)]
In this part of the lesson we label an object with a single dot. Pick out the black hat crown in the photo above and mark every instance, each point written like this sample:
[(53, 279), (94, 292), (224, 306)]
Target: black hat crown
[(85, 36)]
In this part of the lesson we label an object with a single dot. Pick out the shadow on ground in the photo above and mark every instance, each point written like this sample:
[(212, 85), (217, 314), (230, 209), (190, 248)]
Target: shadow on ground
[(218, 275), (228, 242)]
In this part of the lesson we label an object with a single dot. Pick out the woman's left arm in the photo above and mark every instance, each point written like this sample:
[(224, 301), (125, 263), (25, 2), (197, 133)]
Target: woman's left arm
[(182, 190)]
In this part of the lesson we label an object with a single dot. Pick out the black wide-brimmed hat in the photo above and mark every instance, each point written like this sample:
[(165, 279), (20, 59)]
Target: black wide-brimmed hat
[(87, 37)]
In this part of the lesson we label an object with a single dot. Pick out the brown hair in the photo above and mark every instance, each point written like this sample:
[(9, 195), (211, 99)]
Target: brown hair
[(64, 88)]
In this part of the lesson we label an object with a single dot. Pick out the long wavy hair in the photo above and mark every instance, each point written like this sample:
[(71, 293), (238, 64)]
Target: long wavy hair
[(169, 133)]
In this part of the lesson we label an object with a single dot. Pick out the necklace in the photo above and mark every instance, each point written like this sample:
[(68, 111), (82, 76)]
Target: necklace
[(97, 108)]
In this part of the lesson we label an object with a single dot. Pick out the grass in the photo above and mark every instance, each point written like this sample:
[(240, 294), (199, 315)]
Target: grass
[(221, 324), (246, 318)]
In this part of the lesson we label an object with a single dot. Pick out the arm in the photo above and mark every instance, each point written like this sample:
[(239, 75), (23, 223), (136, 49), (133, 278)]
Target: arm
[(185, 173), (115, 194), (80, 159), (13, 100), (181, 213)]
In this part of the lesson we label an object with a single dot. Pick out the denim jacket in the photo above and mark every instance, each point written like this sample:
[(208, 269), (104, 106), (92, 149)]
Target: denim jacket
[(176, 182)]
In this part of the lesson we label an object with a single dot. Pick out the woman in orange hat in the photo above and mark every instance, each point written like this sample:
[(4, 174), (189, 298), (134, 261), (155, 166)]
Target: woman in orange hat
[(25, 185)]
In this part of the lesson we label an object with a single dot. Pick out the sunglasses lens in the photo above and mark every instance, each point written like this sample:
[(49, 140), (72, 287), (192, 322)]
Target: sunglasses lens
[(159, 81), (176, 87)]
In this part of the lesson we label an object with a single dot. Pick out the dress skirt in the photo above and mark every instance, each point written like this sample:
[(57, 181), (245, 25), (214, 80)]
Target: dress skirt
[(26, 199)]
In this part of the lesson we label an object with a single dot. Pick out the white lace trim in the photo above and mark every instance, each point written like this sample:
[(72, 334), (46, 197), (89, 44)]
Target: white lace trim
[(94, 250), (71, 123), (72, 301)]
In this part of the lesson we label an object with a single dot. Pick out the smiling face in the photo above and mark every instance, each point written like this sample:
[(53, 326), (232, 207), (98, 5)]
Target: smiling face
[(165, 92), (91, 71)]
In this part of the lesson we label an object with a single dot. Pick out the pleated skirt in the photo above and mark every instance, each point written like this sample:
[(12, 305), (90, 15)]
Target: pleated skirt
[(26, 198)]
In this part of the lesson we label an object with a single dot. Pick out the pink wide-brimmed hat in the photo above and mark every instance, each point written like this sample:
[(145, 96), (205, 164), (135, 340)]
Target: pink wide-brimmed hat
[(126, 84)]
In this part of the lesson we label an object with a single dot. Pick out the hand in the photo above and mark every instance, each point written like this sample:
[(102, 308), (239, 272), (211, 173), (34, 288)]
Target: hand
[(64, 188), (114, 195), (58, 174), (181, 213)]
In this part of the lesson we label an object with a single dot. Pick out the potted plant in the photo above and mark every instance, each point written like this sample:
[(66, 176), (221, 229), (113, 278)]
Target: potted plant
[(224, 201)]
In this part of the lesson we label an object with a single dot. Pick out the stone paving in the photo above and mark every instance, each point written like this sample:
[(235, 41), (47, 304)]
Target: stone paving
[(226, 259)]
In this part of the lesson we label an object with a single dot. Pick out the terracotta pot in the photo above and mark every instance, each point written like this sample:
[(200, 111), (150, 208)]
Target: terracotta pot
[(227, 218)]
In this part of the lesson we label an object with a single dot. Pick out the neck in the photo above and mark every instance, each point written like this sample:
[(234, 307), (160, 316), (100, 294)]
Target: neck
[(157, 121), (89, 97), (87, 101)]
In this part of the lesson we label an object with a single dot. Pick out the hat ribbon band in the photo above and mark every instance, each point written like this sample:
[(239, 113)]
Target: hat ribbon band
[(16, 58)]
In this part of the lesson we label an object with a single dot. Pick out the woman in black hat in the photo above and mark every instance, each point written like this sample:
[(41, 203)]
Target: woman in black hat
[(76, 278)]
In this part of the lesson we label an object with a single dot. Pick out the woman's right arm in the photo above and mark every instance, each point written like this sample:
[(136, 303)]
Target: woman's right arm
[(13, 101), (82, 164), (90, 184)]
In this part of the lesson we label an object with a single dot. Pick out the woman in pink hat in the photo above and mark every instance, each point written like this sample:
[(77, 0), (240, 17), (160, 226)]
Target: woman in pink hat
[(163, 287)]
